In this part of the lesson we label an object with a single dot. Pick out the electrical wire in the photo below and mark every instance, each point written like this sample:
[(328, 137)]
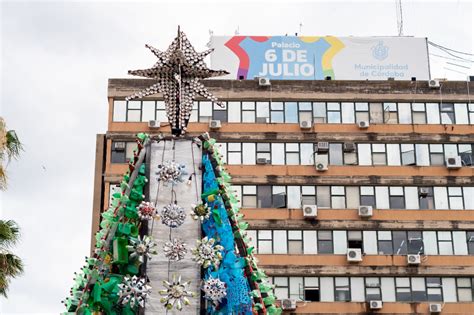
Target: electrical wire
[(448, 58), (443, 47)]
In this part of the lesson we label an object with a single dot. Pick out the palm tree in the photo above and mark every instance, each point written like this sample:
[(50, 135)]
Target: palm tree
[(10, 148), (11, 265)]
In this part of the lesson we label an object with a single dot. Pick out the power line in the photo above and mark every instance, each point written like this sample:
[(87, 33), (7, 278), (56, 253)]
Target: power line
[(448, 58), (446, 48), (451, 54)]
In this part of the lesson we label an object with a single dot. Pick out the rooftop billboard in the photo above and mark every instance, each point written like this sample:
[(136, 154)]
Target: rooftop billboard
[(315, 58)]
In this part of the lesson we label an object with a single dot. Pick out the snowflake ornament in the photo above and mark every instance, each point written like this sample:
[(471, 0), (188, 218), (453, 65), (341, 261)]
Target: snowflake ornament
[(206, 253), (176, 293), (200, 212), (172, 215), (142, 247), (171, 172), (146, 210), (175, 250), (134, 291), (215, 290)]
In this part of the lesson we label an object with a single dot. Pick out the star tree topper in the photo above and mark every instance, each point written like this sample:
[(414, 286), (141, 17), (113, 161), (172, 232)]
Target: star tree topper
[(178, 71)]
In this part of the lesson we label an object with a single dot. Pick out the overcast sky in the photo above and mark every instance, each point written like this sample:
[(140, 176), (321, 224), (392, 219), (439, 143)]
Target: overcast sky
[(55, 62)]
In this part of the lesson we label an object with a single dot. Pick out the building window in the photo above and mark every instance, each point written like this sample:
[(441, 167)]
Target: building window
[(248, 112), (220, 113), (466, 153), (418, 289), (263, 112), (194, 112), (292, 154), (325, 243), (308, 195), (408, 154), (334, 113), (149, 111), (399, 242), (471, 113), (323, 196), (281, 287), (415, 243), (465, 289), (205, 112), (384, 242), (311, 289), (372, 289), (305, 111), (338, 197), (134, 111), (379, 154), (263, 151), (291, 112), (433, 289), (319, 112), (367, 196), (277, 112), (295, 242), (249, 196), (447, 113), (265, 245), (278, 197), (402, 289), (419, 113), (445, 243), (361, 112), (470, 242), (396, 198), (335, 154), (122, 151), (455, 198), (264, 196), (354, 240), (376, 113), (390, 113), (120, 111), (342, 289), (436, 154), (426, 198), (234, 153)]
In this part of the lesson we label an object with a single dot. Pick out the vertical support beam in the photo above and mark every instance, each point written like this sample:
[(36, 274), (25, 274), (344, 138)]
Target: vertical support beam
[(158, 268), (97, 201)]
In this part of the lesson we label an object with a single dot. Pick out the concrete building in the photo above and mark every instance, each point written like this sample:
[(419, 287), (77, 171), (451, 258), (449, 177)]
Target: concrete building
[(358, 193)]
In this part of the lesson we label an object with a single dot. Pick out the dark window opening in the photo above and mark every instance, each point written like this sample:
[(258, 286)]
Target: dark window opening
[(311, 295)]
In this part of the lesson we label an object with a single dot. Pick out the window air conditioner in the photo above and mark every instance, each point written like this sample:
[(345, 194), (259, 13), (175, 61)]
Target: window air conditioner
[(435, 308), (305, 124), (349, 147), (363, 124), (262, 161), (375, 305), (423, 192), (154, 124), (365, 211), (413, 259), (288, 304), (310, 211), (354, 254), (454, 162), (321, 166), (263, 81), (214, 124), (322, 147), (119, 146), (434, 84)]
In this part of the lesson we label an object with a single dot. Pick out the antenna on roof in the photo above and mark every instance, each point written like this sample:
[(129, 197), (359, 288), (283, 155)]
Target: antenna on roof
[(399, 11), (301, 28), (237, 32), (208, 45)]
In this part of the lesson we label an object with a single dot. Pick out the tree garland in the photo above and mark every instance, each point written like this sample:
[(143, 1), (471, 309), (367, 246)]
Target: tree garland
[(110, 281)]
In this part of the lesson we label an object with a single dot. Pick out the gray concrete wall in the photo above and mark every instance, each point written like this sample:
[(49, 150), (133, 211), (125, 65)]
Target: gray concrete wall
[(189, 232)]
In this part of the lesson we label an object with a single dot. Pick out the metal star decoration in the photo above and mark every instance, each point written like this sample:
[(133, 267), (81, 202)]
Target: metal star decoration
[(178, 71)]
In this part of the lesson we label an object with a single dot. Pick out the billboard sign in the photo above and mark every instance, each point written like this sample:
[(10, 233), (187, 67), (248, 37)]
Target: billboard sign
[(315, 58)]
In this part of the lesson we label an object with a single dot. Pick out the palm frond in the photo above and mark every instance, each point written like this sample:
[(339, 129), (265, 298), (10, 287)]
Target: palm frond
[(3, 178), (11, 265), (9, 233), (13, 146)]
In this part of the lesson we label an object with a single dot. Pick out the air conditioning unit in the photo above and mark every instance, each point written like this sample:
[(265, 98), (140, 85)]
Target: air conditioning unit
[(434, 84), (423, 192), (363, 124), (263, 120), (154, 124), (306, 124), (454, 162), (375, 305), (119, 146), (321, 166), (262, 161), (435, 308), (322, 147), (365, 211), (354, 254), (215, 124), (310, 211), (263, 81), (413, 259), (288, 304), (349, 147)]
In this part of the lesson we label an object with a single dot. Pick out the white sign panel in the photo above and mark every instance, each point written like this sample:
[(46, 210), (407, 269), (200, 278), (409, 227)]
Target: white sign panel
[(315, 58)]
